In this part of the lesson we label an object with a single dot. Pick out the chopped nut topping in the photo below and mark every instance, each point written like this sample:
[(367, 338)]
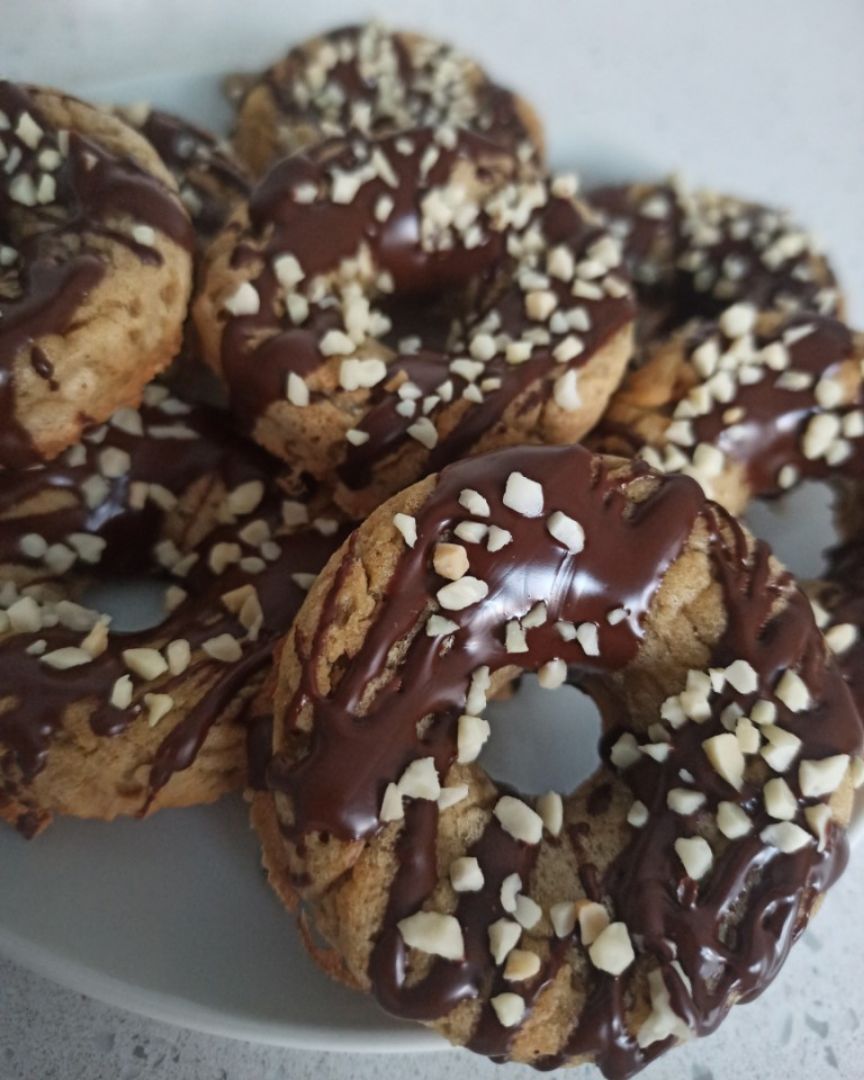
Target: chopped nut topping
[(519, 820), (515, 640), (511, 886), (786, 837), (392, 808), (158, 706), (147, 664), (527, 912), (420, 780), (433, 933), (504, 935), (424, 432), (462, 593), (763, 712), (450, 561), (725, 755), (551, 809), (524, 496), (509, 1008), (780, 803), (566, 531), (841, 638), (521, 964), (25, 616), (593, 919), (224, 647), (637, 815), (243, 301), (818, 818), (793, 692), (436, 626), (742, 676), (732, 821), (782, 749), (552, 674), (612, 951), (625, 751), (450, 796), (818, 778), (498, 538), (466, 875), (696, 856), (407, 526), (475, 504), (67, 657), (121, 693), (683, 801)]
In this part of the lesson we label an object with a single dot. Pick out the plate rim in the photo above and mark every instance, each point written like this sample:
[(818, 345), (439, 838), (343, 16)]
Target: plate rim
[(181, 1012)]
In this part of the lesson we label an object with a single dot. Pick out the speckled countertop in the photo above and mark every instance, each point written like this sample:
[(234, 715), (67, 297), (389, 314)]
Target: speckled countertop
[(807, 1025)]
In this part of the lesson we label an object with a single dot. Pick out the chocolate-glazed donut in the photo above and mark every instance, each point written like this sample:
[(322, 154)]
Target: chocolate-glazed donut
[(694, 252), (210, 179), (308, 293), (750, 404), (371, 80), (96, 723), (95, 269), (610, 923)]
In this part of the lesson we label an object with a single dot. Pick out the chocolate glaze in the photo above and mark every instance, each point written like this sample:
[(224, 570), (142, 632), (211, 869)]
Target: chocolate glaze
[(843, 597), (210, 690), (417, 99), (770, 435), (258, 351), (659, 249), (211, 180), (330, 783), (60, 245)]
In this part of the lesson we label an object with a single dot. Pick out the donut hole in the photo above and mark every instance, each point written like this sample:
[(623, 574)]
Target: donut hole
[(542, 740), (797, 526), (134, 603)]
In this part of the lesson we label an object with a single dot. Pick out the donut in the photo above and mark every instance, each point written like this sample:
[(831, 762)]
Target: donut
[(749, 404), (371, 80), (96, 722), (95, 270), (381, 308), (603, 925), (696, 252), (209, 177)]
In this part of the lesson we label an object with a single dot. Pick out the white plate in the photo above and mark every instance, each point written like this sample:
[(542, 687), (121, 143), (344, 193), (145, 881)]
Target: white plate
[(171, 917)]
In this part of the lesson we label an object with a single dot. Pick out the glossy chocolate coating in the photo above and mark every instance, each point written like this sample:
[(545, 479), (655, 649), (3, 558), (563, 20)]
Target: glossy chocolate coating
[(331, 784)]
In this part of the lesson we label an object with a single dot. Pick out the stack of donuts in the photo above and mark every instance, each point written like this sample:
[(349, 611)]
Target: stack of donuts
[(471, 423)]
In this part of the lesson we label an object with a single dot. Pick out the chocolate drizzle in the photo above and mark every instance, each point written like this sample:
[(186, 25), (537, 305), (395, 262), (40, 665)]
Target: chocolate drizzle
[(54, 224), (208, 175), (730, 933)]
